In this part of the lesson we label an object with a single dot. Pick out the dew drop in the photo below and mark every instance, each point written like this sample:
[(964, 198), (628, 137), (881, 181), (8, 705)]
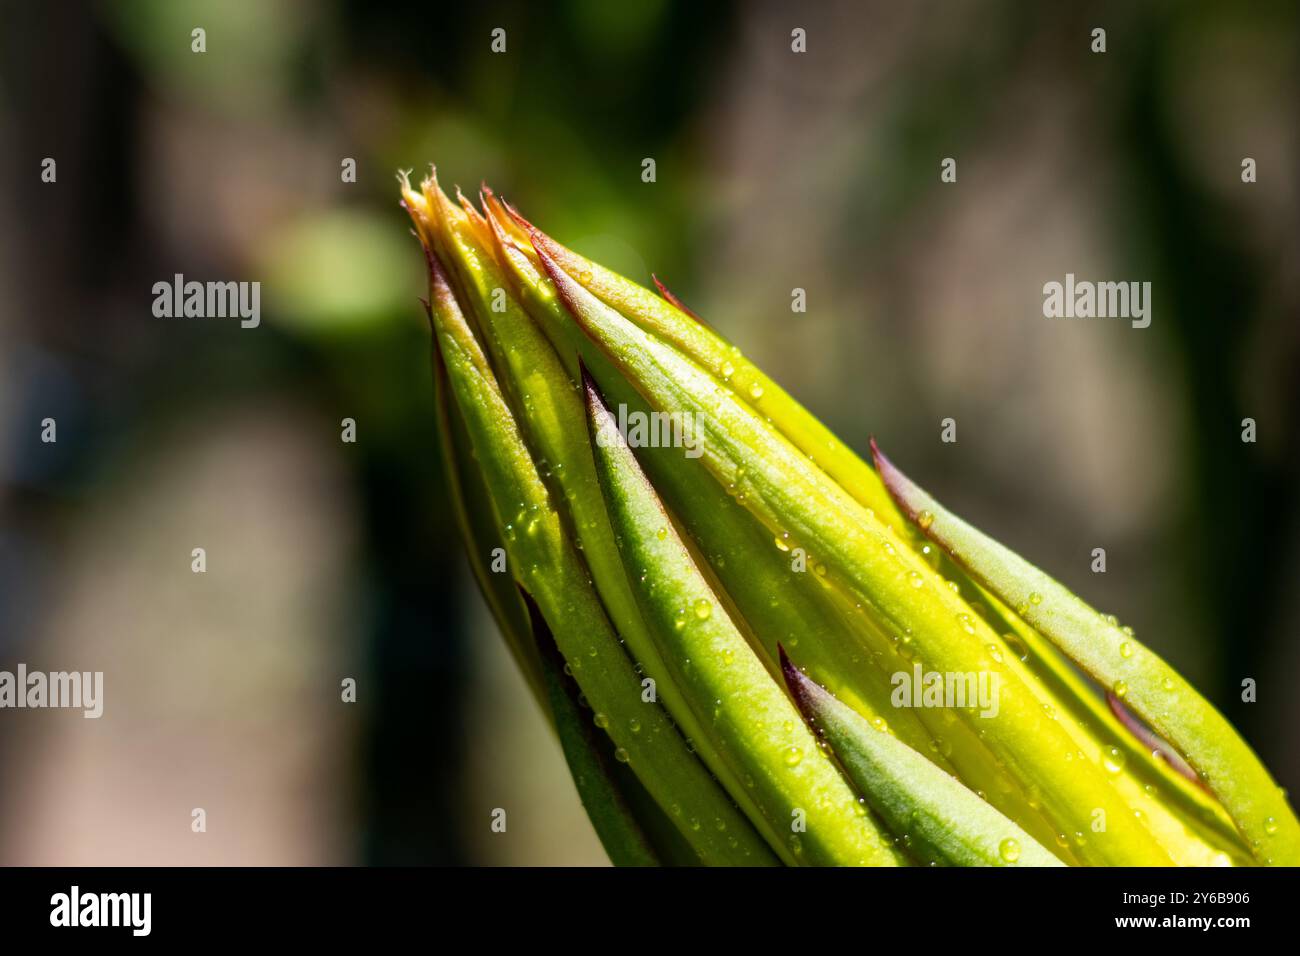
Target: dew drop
[(756, 391), (1035, 599), (792, 757), (601, 721), (703, 609), (915, 579), (1016, 646), (621, 755), (1270, 826), (1009, 849), (925, 519), (782, 544), (634, 725), (966, 623), (1126, 649), (1121, 688), (662, 533), (1113, 760)]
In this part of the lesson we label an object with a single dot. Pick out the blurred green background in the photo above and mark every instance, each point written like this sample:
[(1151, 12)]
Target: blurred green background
[(775, 170)]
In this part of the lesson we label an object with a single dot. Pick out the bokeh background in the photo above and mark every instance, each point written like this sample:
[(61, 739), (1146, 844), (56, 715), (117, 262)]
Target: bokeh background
[(775, 170)]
